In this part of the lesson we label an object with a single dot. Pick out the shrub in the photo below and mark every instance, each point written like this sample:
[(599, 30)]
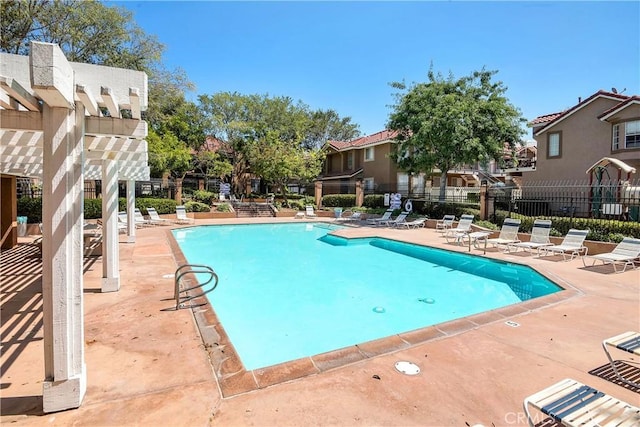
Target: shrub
[(203, 196), (339, 200), (92, 208), (224, 207), (373, 201), (31, 208), (163, 206), (196, 207)]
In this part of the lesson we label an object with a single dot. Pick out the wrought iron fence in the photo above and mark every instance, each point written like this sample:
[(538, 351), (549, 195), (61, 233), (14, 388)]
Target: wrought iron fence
[(604, 201)]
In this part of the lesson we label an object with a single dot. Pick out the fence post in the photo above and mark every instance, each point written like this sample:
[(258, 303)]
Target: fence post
[(483, 201)]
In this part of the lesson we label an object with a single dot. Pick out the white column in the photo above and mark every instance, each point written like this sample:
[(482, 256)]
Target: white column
[(110, 253), (65, 380), (131, 205)]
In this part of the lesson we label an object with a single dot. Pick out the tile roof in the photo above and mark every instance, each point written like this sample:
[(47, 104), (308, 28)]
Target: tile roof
[(635, 99), (549, 120), (363, 141)]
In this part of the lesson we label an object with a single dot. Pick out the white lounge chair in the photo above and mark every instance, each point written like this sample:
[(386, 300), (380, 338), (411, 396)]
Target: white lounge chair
[(355, 216), (627, 253), (463, 227), (629, 342), (508, 234), (156, 219), (123, 221), (181, 215), (539, 237), (309, 213), (572, 244), (385, 217), (442, 225), (575, 404), (416, 223), (137, 216), (394, 222)]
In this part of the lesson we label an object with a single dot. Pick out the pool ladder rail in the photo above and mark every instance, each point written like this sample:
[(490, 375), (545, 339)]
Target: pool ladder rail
[(183, 293)]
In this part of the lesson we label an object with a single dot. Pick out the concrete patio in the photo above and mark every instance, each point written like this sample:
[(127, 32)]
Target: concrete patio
[(150, 365)]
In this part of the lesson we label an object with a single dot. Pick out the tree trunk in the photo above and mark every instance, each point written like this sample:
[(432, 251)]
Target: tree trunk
[(443, 187)]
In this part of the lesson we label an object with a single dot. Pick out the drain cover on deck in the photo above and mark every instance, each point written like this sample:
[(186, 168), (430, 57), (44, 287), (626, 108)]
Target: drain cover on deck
[(407, 368)]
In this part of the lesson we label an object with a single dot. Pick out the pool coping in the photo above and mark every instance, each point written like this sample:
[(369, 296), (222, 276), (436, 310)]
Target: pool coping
[(233, 379)]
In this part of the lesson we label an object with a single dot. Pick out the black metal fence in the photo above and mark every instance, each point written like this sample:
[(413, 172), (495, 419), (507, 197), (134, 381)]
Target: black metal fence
[(605, 201)]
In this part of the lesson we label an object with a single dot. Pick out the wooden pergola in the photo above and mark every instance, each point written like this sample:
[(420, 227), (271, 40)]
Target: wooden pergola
[(65, 123)]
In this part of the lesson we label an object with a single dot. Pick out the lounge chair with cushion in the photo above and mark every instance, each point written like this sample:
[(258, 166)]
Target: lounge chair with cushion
[(463, 227), (574, 404), (572, 244), (181, 215), (508, 234), (385, 217), (309, 213), (627, 253), (442, 225), (154, 218), (539, 237), (394, 222), (629, 342)]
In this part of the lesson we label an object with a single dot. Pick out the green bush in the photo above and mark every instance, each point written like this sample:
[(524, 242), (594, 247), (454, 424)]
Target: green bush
[(224, 207), (31, 208), (339, 200), (196, 207), (203, 196), (162, 206), (92, 208), (373, 201)]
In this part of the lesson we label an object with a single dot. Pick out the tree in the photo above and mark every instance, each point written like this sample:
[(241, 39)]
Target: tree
[(272, 137), (446, 123), (168, 154), (211, 164)]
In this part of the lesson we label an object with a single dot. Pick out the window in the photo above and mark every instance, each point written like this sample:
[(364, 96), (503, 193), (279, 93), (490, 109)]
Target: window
[(368, 154), (615, 144), (350, 160), (632, 134), (368, 184), (554, 145)]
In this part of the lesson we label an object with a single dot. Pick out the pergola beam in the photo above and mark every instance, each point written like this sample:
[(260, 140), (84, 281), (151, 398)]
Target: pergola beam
[(88, 100), (19, 93)]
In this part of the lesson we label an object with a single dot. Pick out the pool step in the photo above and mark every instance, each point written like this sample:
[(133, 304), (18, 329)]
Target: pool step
[(253, 210)]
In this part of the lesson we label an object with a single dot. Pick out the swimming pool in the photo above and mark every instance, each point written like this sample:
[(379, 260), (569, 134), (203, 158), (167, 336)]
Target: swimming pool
[(288, 291)]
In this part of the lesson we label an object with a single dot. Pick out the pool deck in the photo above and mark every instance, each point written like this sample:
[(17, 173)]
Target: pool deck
[(150, 365)]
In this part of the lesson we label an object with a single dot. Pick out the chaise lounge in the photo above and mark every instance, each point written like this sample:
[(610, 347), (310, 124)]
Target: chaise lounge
[(629, 342), (627, 253), (539, 237), (574, 404), (572, 245)]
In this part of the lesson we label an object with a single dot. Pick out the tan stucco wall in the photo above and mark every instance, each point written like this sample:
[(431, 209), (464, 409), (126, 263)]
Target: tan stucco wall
[(382, 169), (585, 140)]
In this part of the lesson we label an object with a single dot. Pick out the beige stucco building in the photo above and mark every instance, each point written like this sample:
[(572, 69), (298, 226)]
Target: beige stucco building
[(606, 124)]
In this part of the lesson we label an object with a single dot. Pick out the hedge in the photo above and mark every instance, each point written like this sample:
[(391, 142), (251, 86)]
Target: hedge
[(339, 200), (32, 207)]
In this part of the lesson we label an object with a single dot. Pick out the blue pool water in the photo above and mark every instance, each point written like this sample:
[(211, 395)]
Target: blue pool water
[(291, 290)]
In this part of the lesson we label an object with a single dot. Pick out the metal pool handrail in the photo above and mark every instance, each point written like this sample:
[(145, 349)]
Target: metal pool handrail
[(182, 295)]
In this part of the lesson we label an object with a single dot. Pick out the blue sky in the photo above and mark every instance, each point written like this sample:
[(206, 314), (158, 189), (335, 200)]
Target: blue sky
[(343, 55)]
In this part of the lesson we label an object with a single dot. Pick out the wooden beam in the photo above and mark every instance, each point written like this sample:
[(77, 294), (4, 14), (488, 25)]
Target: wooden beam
[(109, 126), (134, 96), (88, 100), (21, 120), (110, 102), (19, 93)]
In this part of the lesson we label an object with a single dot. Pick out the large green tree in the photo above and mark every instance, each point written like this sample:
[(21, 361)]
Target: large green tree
[(272, 137), (445, 123)]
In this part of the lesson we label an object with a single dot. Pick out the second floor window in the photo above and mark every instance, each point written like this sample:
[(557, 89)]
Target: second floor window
[(554, 148), (350, 160), (632, 134), (615, 143), (368, 154)]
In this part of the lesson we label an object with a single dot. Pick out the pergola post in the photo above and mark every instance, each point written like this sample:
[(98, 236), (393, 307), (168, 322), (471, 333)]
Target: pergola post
[(65, 371), (131, 205), (110, 253)]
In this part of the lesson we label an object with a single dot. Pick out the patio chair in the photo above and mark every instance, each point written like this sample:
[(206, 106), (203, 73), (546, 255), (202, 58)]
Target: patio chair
[(385, 217), (309, 213), (508, 234), (572, 244), (416, 223), (574, 404), (626, 253), (355, 216), (463, 227), (123, 221), (629, 342), (394, 222), (345, 215), (539, 237), (156, 219), (442, 225), (181, 215), (137, 216)]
